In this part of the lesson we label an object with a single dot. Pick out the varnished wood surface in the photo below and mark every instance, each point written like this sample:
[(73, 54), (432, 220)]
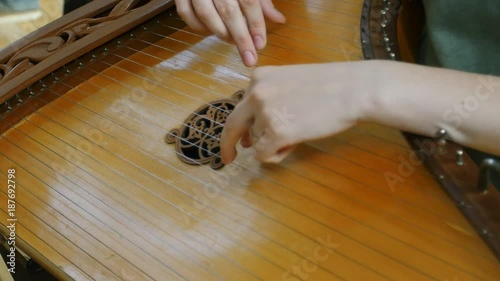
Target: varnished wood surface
[(100, 196)]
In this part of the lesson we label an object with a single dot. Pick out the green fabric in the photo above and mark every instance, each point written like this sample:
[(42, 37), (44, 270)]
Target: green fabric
[(463, 35), (18, 5)]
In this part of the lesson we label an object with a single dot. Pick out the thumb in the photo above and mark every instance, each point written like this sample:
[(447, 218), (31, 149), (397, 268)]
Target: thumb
[(271, 13), (280, 154)]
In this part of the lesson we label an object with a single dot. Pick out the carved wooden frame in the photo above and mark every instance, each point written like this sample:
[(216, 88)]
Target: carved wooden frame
[(77, 33)]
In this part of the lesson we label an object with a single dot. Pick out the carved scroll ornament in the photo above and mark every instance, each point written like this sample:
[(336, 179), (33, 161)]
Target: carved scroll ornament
[(41, 49)]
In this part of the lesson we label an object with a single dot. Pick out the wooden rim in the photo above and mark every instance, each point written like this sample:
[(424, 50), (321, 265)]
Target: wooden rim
[(379, 29)]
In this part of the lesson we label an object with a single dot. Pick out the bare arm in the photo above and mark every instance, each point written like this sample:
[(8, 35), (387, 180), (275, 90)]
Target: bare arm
[(291, 104), (422, 99)]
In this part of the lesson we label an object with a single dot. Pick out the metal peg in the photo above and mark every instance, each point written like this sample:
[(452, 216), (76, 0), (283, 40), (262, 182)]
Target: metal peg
[(55, 76), (459, 157), (19, 99), (485, 173), (441, 136)]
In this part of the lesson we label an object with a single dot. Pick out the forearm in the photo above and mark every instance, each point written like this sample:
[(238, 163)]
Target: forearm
[(423, 99)]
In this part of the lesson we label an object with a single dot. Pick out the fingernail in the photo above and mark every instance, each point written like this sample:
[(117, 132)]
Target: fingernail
[(249, 58), (258, 41), (245, 143), (283, 18)]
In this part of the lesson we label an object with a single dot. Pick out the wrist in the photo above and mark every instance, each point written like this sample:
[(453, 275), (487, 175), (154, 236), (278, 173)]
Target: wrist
[(375, 90)]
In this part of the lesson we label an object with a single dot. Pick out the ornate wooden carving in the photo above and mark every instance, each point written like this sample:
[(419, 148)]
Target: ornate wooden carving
[(124, 6), (41, 49), (24, 63), (197, 140)]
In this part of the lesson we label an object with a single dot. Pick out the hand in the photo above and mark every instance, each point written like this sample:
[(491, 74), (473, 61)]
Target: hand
[(240, 21), (287, 105)]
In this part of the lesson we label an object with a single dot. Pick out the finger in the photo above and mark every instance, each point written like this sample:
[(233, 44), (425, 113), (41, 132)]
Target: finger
[(232, 17), (255, 21), (238, 122), (187, 13), (274, 156), (207, 13), (265, 144), (271, 13), (269, 146), (282, 153)]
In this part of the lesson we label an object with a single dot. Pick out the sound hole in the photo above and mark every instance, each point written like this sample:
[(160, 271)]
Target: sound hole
[(197, 141)]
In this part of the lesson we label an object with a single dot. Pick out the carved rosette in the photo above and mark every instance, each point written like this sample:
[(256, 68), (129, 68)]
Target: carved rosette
[(197, 140)]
